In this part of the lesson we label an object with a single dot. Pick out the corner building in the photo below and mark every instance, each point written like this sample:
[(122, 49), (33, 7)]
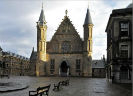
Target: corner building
[(66, 54), (119, 45)]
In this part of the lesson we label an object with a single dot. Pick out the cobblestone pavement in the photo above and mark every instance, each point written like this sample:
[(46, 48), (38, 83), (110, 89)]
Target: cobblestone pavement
[(77, 87), (13, 83)]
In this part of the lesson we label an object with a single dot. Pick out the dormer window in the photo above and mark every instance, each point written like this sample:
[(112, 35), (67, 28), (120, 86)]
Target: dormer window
[(124, 29)]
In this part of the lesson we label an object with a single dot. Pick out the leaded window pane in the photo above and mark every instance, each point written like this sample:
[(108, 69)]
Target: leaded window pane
[(124, 74), (124, 51), (124, 28), (78, 64)]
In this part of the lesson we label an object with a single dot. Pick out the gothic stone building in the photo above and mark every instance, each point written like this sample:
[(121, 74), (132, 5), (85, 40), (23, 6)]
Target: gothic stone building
[(66, 54), (119, 45)]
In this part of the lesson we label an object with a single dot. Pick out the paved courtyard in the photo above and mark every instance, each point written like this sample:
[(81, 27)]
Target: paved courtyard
[(77, 87)]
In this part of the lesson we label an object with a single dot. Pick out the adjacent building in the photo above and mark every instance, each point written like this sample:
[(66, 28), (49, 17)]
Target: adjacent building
[(33, 61), (66, 54), (1, 60), (98, 69), (119, 45), (13, 64)]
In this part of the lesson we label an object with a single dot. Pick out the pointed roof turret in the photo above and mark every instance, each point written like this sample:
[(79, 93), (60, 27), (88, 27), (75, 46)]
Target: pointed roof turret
[(88, 19), (42, 17), (0, 48), (33, 55), (33, 49), (130, 5)]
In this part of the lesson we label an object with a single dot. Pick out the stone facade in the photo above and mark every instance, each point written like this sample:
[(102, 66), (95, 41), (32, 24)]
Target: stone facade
[(13, 64), (119, 45), (33, 60), (1, 60), (66, 54)]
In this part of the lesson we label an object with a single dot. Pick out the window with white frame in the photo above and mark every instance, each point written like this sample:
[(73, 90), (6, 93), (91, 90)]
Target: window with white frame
[(124, 29), (124, 51)]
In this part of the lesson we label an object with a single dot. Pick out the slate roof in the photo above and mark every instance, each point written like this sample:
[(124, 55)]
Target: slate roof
[(33, 55), (119, 12), (130, 5), (42, 18), (97, 64), (88, 19), (0, 48)]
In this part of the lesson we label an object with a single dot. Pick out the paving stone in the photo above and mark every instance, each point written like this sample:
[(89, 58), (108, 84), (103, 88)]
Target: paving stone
[(78, 87)]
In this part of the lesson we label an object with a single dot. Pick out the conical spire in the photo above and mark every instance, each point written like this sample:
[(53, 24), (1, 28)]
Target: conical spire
[(42, 17), (0, 48), (33, 49), (88, 19)]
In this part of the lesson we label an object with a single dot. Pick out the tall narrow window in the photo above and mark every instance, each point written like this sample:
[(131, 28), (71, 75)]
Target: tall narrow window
[(77, 65), (89, 45), (91, 32), (52, 64), (42, 46), (124, 29)]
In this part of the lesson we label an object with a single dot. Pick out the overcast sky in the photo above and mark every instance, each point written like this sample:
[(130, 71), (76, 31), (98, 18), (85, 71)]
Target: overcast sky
[(18, 21)]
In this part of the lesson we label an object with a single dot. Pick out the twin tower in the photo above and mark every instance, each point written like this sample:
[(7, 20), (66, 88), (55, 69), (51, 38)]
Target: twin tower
[(42, 29), (75, 58)]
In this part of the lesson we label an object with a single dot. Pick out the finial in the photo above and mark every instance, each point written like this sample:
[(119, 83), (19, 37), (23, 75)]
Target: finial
[(33, 49), (42, 5), (66, 12), (88, 4)]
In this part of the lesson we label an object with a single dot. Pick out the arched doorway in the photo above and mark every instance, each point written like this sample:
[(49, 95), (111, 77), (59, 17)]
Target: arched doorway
[(64, 69)]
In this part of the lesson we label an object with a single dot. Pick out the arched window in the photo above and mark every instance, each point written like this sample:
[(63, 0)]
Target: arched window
[(66, 47)]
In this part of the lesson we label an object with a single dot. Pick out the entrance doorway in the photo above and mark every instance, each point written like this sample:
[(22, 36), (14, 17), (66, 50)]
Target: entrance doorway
[(64, 69)]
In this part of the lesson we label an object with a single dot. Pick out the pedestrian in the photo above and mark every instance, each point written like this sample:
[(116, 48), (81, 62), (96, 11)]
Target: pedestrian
[(113, 78)]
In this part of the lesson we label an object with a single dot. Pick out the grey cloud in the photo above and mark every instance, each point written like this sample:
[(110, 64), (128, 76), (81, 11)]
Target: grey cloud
[(18, 28)]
